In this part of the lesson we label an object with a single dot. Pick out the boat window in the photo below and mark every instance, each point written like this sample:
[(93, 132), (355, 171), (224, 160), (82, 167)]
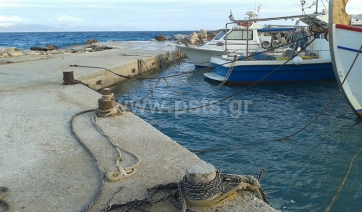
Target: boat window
[(220, 35), (240, 35)]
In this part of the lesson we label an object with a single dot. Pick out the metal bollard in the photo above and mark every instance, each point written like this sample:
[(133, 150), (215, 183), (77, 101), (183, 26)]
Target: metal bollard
[(68, 78)]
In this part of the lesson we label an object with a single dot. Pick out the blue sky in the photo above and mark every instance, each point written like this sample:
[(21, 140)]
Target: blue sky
[(151, 15)]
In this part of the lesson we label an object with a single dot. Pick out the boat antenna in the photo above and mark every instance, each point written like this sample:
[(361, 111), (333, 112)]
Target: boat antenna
[(257, 12), (302, 2)]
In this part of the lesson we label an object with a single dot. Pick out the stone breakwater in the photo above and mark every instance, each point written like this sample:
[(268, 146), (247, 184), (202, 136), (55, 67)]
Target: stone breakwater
[(7, 52), (16, 55)]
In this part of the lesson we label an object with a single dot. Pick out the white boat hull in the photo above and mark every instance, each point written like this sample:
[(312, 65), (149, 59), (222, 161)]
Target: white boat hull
[(346, 42)]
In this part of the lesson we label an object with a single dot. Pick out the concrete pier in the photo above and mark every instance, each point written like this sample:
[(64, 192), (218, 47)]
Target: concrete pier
[(50, 163)]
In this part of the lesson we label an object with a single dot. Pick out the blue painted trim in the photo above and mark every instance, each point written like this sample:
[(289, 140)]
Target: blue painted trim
[(349, 49)]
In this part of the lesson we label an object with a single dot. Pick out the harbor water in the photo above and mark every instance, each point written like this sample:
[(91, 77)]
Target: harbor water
[(236, 129), (240, 130)]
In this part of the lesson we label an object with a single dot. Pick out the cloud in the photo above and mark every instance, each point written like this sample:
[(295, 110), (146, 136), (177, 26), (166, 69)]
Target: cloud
[(66, 18), (10, 19)]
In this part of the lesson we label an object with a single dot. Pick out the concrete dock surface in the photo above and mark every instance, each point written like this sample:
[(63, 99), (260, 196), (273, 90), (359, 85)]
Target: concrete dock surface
[(46, 167)]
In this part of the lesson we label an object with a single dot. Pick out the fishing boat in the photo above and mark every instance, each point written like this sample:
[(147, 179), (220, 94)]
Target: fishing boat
[(235, 37), (288, 66), (248, 35), (346, 44)]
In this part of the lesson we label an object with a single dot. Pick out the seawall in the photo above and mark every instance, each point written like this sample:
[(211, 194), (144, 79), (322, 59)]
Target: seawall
[(54, 158)]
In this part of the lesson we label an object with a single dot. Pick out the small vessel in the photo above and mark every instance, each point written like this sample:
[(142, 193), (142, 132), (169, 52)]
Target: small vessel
[(235, 38), (346, 44), (248, 35), (287, 66)]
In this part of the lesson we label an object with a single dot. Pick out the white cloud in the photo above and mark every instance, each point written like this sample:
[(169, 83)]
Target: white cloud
[(66, 18), (10, 19)]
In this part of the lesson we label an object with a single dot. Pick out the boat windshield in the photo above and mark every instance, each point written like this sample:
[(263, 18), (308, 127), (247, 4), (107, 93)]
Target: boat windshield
[(240, 35), (220, 35)]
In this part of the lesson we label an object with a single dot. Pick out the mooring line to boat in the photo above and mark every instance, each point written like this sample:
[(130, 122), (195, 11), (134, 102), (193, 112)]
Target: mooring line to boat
[(228, 73), (306, 126), (357, 153), (82, 66), (220, 100), (328, 104), (343, 181), (258, 53), (172, 87), (174, 75)]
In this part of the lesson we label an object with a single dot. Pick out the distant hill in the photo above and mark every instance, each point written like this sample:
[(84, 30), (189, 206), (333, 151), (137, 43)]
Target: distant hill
[(46, 28), (30, 28)]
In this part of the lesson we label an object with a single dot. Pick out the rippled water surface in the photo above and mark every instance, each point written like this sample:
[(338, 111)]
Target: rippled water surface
[(236, 135), (25, 40)]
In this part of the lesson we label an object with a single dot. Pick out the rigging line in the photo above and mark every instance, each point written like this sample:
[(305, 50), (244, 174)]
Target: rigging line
[(310, 123), (226, 98), (151, 91), (324, 5), (175, 75), (355, 156), (127, 77), (328, 104), (172, 87), (274, 48), (343, 181), (228, 73), (255, 53)]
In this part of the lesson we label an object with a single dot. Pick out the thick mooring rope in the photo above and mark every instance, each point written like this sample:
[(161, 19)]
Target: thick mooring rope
[(117, 172), (95, 161), (3, 192), (184, 195)]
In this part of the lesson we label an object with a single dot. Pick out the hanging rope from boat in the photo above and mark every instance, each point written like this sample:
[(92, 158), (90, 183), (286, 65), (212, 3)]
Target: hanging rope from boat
[(133, 104), (293, 42), (228, 73), (335, 197), (298, 131)]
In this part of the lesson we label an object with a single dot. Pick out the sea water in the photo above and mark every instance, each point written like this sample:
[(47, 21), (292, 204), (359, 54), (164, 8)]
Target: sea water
[(236, 135), (235, 128), (25, 40)]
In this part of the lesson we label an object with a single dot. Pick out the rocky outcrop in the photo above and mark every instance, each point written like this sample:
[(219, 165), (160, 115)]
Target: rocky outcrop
[(46, 48), (160, 38), (10, 52), (91, 41)]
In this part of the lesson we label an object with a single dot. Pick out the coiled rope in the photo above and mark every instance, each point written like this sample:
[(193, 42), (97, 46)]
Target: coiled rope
[(95, 161), (3, 192), (117, 172), (183, 194)]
